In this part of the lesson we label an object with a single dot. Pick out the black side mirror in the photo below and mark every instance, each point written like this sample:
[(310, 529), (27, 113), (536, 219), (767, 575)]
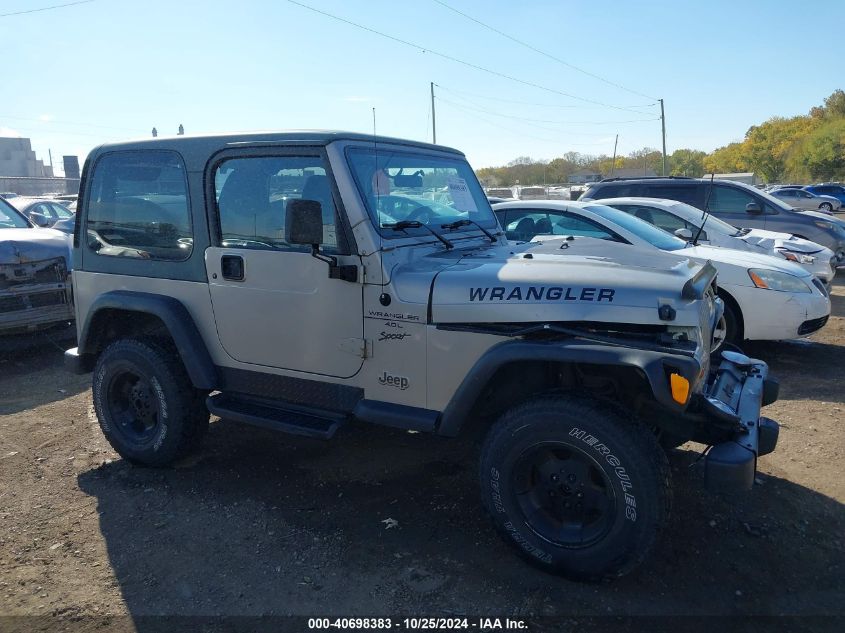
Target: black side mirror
[(304, 222), (304, 225), (753, 208)]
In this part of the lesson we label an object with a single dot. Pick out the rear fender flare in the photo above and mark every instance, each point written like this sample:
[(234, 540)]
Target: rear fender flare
[(176, 318)]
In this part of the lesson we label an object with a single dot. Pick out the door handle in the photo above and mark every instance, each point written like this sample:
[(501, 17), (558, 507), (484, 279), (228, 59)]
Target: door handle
[(232, 267)]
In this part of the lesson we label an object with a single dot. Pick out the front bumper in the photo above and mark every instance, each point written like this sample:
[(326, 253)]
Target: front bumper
[(740, 388), (770, 315)]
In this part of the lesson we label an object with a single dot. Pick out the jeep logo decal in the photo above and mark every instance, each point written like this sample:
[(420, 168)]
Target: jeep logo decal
[(389, 380), (540, 293)]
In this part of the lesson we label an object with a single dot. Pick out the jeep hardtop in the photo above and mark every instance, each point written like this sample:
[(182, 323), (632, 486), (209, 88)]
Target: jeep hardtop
[(301, 280)]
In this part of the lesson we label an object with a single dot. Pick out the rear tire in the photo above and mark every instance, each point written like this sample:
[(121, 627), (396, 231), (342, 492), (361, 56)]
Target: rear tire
[(147, 407), (575, 487), (826, 206)]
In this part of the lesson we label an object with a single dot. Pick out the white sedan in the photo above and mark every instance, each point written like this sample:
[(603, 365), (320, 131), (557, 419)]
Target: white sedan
[(685, 221), (766, 298)]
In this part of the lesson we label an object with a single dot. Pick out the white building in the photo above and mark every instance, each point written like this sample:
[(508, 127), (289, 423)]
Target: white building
[(18, 159)]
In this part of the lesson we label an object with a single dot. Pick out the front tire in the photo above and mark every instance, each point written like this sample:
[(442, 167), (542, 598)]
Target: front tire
[(147, 407), (577, 488)]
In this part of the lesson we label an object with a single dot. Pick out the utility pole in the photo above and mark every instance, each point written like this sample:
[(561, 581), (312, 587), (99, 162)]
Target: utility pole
[(613, 164), (433, 124), (663, 125)]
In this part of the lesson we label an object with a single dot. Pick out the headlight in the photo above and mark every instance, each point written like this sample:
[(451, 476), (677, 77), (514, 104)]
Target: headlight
[(797, 257), (774, 280)]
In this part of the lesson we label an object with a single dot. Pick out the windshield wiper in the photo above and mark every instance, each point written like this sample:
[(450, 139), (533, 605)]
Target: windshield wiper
[(465, 222), (413, 224)]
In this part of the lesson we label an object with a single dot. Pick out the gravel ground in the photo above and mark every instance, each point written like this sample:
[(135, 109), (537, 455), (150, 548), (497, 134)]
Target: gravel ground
[(263, 523)]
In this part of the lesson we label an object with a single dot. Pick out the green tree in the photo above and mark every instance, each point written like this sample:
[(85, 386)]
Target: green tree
[(687, 162)]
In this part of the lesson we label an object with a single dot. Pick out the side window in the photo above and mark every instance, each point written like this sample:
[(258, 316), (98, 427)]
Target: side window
[(60, 212), (803, 194), (253, 194), (688, 194), (658, 217), (138, 206), (729, 200)]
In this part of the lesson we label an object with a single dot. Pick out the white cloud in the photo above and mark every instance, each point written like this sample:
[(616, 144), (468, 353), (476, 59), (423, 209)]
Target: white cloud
[(46, 118), (9, 132)]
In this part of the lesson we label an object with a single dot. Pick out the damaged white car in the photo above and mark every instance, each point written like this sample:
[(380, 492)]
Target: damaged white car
[(35, 289)]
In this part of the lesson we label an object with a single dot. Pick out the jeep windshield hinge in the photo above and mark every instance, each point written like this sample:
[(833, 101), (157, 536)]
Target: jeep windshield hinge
[(344, 272)]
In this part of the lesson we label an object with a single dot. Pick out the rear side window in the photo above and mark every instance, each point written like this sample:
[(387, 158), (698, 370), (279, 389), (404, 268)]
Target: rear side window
[(690, 194), (616, 190), (138, 207)]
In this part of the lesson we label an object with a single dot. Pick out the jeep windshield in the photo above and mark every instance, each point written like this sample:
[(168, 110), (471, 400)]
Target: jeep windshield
[(399, 186)]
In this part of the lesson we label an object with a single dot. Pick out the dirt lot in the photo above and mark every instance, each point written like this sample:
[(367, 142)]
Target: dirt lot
[(263, 523)]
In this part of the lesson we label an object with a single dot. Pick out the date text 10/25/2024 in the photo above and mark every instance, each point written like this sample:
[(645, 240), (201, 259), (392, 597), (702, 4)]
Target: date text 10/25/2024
[(418, 624)]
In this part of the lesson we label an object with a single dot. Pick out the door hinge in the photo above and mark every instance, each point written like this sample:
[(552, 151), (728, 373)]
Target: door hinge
[(358, 346)]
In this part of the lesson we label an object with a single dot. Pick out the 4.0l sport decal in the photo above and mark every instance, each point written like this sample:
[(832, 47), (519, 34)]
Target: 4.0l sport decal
[(541, 293)]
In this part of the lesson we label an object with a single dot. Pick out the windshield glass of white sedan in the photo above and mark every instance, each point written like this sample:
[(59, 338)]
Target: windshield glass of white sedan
[(431, 190), (642, 229)]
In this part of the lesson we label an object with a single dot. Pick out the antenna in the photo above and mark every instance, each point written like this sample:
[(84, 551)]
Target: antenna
[(383, 298), (706, 211)]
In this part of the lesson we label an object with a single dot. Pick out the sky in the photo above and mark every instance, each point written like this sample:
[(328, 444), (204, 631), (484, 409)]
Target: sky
[(104, 70)]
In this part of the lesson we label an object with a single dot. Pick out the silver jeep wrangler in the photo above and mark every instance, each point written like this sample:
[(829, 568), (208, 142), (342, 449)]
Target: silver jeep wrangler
[(301, 280)]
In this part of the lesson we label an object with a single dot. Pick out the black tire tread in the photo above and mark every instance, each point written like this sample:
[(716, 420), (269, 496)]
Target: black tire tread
[(637, 434), (166, 361)]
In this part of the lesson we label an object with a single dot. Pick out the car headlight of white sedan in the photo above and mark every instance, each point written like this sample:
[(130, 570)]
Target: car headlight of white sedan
[(775, 280), (798, 258)]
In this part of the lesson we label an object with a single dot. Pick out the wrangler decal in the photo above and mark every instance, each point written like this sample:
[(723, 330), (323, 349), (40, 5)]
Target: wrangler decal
[(541, 293)]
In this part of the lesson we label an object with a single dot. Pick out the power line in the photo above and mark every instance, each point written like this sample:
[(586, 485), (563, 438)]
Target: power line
[(554, 122), (63, 122), (450, 58), (55, 6), (521, 134), (538, 105), (544, 53)]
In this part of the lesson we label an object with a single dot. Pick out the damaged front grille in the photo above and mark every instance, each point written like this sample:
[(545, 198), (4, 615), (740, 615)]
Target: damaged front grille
[(34, 295), (49, 271)]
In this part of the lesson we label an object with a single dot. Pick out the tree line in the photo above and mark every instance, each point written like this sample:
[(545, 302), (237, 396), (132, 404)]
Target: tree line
[(804, 148)]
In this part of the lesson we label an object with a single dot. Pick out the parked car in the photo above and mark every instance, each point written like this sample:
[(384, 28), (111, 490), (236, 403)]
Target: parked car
[(35, 289), (803, 199), (734, 202), (685, 221), (8, 195), (828, 189), (765, 298), (43, 212)]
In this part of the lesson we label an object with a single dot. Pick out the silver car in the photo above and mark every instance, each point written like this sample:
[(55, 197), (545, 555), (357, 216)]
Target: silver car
[(801, 199)]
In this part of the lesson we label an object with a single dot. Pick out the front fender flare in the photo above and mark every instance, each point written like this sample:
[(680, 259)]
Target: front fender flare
[(653, 364)]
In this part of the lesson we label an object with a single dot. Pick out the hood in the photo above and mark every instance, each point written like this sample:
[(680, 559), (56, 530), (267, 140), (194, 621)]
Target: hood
[(582, 279), (770, 240), (20, 246), (744, 259), (826, 217)]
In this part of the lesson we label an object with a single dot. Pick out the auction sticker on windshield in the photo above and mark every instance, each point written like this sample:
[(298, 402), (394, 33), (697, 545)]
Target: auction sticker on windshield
[(461, 196)]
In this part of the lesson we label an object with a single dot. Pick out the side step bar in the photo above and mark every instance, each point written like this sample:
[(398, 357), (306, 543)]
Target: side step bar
[(287, 420)]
